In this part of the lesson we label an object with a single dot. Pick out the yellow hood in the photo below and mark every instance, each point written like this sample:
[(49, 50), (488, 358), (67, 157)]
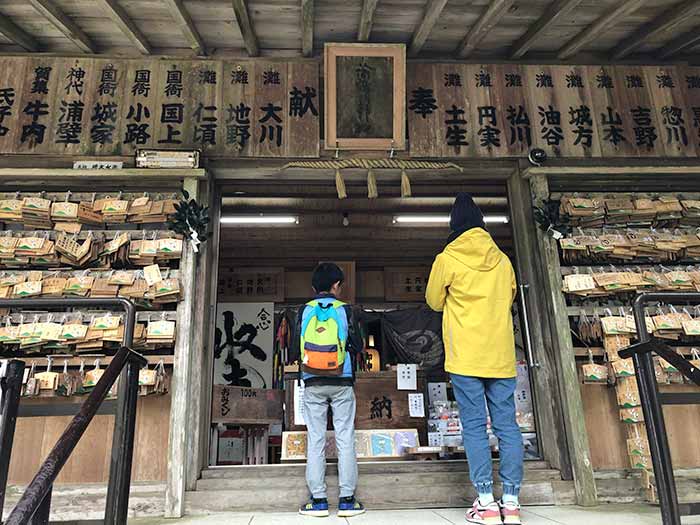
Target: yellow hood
[(476, 250)]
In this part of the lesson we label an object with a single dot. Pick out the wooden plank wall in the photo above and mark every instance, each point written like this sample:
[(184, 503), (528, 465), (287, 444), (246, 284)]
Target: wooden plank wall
[(36, 436), (607, 437)]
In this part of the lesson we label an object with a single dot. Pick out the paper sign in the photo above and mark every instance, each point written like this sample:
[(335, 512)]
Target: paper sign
[(407, 377), (299, 404), (437, 392), (416, 405)]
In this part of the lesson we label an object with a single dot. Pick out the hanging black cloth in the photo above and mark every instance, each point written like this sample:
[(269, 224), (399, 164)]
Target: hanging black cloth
[(415, 336)]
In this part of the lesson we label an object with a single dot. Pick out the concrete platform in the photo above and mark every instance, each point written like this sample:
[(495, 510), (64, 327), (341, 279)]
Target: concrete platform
[(561, 515)]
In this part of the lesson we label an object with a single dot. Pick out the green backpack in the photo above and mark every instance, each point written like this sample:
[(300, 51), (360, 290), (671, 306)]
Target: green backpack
[(323, 340)]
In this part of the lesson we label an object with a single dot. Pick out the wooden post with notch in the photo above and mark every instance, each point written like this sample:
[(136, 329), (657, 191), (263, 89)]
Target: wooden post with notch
[(569, 387)]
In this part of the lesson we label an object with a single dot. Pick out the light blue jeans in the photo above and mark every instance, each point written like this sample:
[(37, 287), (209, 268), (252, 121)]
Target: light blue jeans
[(499, 395), (341, 399)]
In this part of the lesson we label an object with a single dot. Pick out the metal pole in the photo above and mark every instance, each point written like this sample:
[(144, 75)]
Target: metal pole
[(123, 436), (41, 516), (11, 385), (654, 418), (123, 446)]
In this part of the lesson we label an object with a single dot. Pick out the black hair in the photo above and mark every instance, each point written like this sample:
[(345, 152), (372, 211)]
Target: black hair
[(325, 276)]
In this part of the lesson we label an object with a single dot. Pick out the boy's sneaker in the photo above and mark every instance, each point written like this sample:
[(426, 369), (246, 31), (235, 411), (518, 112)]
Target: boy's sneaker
[(349, 507), (485, 515), (510, 513), (318, 508)]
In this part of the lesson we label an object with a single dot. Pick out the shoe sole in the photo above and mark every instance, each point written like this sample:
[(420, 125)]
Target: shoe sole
[(315, 513), (350, 513), (489, 521), (512, 521)]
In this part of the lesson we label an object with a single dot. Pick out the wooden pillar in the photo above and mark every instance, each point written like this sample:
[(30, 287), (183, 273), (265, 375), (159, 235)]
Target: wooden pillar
[(569, 387), (180, 427), (544, 379), (199, 381)]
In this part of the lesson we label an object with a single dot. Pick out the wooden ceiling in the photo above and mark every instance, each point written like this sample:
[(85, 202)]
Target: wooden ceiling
[(530, 30)]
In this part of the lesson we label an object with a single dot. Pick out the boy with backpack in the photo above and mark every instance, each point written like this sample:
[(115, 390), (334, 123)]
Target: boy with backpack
[(329, 337)]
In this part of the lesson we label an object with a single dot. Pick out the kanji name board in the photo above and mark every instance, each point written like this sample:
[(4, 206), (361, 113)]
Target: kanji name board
[(477, 110), (250, 108)]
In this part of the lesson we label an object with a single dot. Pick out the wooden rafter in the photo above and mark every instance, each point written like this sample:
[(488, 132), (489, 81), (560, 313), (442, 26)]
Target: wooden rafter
[(366, 20), (555, 12), (307, 27), (488, 19), (665, 23), (685, 41), (430, 18), (16, 34), (597, 28), (184, 20), (126, 25), (240, 7), (64, 24)]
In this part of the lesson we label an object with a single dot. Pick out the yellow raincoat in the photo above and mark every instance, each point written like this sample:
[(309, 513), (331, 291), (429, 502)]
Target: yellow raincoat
[(473, 282)]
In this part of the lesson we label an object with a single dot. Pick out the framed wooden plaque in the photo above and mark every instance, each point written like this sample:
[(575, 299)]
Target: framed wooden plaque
[(365, 96)]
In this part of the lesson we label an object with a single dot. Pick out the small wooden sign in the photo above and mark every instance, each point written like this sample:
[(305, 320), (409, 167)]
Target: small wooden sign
[(247, 406)]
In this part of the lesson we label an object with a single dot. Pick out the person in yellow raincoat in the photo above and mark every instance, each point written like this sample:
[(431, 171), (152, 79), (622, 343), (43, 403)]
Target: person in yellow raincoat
[(473, 283)]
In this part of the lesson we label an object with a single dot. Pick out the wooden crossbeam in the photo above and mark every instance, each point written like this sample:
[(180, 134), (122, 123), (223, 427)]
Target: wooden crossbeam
[(685, 41), (486, 22), (240, 7), (16, 34), (555, 12), (64, 24), (184, 20), (126, 25), (366, 20), (663, 24), (307, 27), (430, 18), (600, 26)]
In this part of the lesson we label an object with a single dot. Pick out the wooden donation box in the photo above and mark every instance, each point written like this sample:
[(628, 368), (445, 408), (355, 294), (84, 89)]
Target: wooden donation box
[(380, 404)]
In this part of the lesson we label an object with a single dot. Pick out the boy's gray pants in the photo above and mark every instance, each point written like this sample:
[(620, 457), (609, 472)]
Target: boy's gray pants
[(317, 399)]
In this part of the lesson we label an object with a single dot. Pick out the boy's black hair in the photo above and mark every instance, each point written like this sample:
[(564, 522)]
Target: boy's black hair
[(325, 276)]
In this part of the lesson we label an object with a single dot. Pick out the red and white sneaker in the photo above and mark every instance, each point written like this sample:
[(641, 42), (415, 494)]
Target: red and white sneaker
[(485, 515), (510, 513)]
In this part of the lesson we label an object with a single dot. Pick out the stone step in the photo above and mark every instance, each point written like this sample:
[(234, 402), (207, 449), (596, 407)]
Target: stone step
[(388, 496), (297, 479), (86, 501)]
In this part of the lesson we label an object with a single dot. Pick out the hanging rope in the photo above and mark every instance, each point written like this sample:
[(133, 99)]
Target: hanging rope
[(397, 164), (372, 191), (340, 185), (405, 185)]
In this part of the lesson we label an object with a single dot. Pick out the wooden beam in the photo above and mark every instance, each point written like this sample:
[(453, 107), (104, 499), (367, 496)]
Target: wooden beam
[(685, 41), (555, 12), (126, 25), (64, 24), (597, 28), (366, 20), (665, 23), (430, 18), (16, 34), (184, 20), (240, 7), (307, 27), (488, 19)]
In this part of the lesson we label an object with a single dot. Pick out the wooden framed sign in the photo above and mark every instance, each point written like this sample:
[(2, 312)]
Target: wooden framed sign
[(365, 96)]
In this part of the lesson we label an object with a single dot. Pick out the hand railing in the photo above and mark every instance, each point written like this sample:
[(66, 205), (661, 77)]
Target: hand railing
[(653, 401), (34, 505)]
